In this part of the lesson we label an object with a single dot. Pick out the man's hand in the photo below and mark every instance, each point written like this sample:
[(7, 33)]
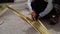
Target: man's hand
[(33, 14)]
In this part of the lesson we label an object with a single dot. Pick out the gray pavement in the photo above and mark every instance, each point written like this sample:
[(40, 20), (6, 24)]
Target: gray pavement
[(10, 23)]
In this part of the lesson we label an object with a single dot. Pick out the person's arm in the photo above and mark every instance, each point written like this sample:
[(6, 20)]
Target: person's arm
[(29, 5), (33, 14), (48, 9)]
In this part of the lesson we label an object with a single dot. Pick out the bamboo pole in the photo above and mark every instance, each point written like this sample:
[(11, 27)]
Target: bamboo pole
[(37, 25), (2, 9)]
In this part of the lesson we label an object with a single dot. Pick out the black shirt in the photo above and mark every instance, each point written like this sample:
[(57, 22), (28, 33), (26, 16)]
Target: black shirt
[(6, 1), (38, 5)]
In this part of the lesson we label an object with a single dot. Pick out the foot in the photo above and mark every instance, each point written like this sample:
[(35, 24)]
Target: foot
[(54, 20)]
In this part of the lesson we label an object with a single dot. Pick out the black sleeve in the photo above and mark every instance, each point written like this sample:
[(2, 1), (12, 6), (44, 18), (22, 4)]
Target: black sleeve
[(6, 1), (38, 6)]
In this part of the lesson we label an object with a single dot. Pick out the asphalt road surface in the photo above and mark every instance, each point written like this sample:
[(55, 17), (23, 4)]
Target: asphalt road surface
[(10, 23)]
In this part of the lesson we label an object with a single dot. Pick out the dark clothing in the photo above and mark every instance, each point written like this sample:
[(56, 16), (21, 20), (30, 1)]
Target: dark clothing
[(6, 1), (56, 1), (38, 5), (56, 4), (53, 12)]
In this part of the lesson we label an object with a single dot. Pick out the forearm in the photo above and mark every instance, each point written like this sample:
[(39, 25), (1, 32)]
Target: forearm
[(29, 5), (47, 10)]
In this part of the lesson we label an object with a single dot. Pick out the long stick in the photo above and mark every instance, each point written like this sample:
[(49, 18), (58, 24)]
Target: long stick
[(37, 25), (2, 9)]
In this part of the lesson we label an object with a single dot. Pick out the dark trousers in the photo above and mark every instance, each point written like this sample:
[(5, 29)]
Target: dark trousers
[(55, 11)]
